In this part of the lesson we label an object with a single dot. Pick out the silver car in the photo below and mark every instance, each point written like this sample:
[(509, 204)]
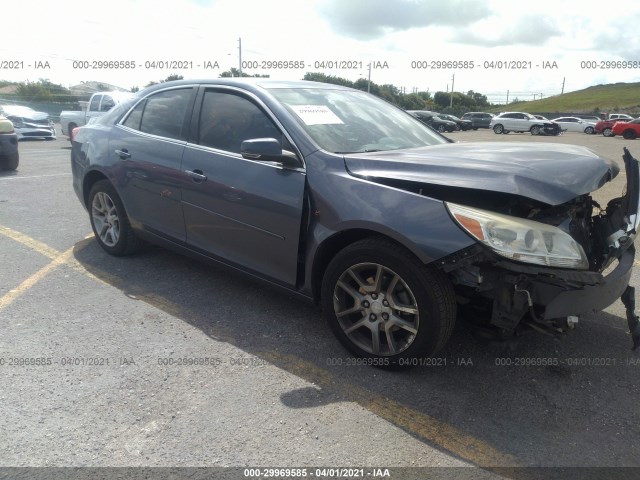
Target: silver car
[(29, 123)]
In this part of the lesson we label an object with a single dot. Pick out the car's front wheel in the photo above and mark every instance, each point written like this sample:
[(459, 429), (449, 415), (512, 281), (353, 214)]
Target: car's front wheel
[(109, 221), (589, 130), (498, 129), (382, 303), (535, 130), (441, 128)]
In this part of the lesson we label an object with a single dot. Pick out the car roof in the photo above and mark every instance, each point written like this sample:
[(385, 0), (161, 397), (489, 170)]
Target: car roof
[(251, 84)]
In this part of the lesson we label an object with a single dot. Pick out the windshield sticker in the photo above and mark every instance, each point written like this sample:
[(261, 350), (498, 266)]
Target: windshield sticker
[(316, 115)]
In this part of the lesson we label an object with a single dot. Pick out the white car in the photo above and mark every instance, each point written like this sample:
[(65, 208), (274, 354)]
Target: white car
[(521, 122), (575, 124), (29, 123), (620, 116)]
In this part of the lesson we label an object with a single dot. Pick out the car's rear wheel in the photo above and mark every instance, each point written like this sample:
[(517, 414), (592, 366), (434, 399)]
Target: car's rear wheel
[(11, 162), (608, 132), (589, 130), (381, 302), (629, 135), (109, 221), (498, 129), (535, 130)]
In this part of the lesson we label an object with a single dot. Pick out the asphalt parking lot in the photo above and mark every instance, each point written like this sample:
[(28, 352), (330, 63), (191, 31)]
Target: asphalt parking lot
[(156, 360)]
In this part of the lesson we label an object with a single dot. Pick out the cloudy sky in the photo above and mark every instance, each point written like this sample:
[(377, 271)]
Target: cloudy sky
[(399, 37)]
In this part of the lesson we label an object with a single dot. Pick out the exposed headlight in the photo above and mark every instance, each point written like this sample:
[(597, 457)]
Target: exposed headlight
[(520, 239)]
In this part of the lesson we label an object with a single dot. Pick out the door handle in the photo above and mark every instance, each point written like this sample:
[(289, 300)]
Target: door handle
[(196, 175), (123, 154)]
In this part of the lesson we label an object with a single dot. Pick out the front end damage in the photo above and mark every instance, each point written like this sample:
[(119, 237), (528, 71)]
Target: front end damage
[(504, 292)]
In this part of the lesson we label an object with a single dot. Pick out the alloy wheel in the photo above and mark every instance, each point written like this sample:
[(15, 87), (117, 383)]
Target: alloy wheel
[(376, 309)]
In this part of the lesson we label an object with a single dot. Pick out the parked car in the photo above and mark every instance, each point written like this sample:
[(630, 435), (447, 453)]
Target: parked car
[(478, 119), (605, 127), (29, 123), (434, 120), (628, 130), (521, 122), (463, 125), (619, 116), (344, 199), (9, 157), (98, 105), (589, 118), (575, 124)]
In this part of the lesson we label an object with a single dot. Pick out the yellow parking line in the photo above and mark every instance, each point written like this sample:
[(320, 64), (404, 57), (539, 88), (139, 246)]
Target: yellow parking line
[(57, 257), (424, 426), (27, 241), (9, 298)]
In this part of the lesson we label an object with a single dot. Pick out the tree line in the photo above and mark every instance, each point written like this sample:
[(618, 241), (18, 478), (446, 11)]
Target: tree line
[(45, 91)]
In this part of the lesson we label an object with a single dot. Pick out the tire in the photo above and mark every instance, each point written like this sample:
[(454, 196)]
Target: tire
[(589, 130), (11, 162), (441, 128), (535, 130), (498, 129), (475, 128), (384, 289), (114, 234), (629, 135), (608, 132)]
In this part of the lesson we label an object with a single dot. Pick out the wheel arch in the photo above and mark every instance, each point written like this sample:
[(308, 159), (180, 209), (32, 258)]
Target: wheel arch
[(89, 181), (330, 247)]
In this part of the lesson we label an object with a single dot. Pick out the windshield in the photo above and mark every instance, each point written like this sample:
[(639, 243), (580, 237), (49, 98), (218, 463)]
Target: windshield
[(349, 121)]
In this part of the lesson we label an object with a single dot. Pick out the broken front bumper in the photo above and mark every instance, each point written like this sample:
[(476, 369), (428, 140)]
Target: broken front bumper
[(549, 295)]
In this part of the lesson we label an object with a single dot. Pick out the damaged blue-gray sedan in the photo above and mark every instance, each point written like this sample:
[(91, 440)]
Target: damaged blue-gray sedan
[(346, 200)]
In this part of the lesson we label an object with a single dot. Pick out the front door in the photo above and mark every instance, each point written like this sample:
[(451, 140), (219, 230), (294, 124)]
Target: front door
[(245, 212)]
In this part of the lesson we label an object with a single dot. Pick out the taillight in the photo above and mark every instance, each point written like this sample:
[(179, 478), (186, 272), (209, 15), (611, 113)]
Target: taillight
[(74, 132)]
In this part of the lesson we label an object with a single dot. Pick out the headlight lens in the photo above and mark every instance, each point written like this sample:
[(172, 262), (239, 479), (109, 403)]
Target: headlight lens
[(520, 239)]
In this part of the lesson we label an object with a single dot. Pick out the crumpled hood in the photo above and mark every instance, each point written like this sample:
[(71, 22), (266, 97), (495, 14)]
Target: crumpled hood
[(552, 173)]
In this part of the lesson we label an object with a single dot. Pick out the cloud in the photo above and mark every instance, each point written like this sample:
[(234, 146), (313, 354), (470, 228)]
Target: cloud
[(369, 19), (620, 38), (527, 30)]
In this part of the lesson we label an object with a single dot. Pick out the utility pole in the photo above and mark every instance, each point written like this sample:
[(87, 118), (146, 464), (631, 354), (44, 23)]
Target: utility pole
[(369, 80), (507, 97), (534, 97), (240, 55), (453, 81), (563, 79)]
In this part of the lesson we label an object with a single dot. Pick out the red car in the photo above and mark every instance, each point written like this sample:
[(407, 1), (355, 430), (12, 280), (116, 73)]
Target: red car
[(605, 127), (629, 130)]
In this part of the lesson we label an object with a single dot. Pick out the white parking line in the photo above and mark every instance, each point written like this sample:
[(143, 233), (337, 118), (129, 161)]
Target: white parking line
[(36, 176)]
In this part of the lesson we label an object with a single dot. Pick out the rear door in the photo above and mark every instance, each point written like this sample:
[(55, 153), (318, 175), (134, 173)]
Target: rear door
[(245, 212), (149, 143)]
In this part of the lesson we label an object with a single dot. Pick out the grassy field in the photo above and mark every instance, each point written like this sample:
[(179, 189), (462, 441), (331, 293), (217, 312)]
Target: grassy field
[(615, 97)]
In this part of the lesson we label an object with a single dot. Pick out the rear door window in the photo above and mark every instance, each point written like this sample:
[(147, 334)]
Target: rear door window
[(162, 114)]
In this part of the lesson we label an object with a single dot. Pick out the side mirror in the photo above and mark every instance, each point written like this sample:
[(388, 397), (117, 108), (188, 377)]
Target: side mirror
[(268, 150)]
